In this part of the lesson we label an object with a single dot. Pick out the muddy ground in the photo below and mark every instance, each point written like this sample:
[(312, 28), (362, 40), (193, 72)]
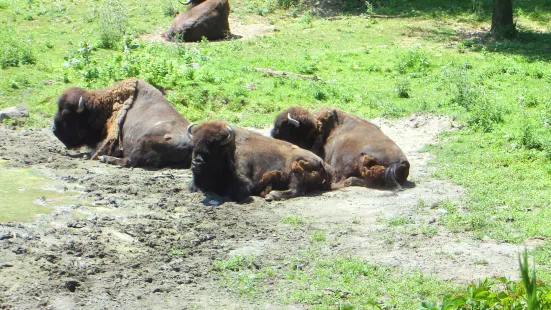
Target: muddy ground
[(141, 240)]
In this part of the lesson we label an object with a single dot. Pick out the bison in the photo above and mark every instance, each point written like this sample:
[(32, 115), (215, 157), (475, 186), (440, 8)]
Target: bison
[(236, 163), (130, 124), (357, 150), (207, 19)]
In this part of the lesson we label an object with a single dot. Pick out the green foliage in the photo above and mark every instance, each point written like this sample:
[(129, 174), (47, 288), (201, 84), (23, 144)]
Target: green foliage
[(500, 293), (14, 50), (170, 8), (112, 22), (415, 60), (295, 220), (317, 236), (403, 87)]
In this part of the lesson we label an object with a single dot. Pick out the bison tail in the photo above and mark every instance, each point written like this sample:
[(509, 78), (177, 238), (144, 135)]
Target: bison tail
[(396, 174)]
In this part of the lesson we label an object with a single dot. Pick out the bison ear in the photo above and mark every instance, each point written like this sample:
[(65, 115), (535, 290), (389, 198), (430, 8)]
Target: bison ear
[(65, 112)]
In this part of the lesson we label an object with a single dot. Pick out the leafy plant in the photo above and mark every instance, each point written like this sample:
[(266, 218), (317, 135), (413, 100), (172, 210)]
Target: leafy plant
[(112, 21), (500, 293), (14, 51)]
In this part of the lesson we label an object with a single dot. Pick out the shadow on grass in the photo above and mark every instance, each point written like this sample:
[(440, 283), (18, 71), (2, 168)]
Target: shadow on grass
[(531, 44), (482, 9)]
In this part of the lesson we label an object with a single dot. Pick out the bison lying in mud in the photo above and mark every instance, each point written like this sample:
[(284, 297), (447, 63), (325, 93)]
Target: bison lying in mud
[(207, 19), (358, 151), (130, 123), (237, 163)]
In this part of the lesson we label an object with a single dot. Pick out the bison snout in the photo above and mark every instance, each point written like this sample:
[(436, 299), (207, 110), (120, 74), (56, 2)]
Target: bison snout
[(197, 162)]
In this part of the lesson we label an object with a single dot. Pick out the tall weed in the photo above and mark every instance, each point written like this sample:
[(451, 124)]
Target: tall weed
[(112, 22), (14, 50), (414, 60)]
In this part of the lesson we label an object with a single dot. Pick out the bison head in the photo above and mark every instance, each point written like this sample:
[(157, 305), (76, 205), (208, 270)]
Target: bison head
[(213, 153), (192, 3), (297, 126), (73, 124)]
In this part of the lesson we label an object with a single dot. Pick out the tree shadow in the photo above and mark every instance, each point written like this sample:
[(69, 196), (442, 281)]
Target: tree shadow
[(482, 9), (534, 45)]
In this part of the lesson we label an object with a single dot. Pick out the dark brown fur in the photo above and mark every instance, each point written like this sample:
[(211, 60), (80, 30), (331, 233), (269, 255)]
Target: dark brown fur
[(359, 152), (207, 19), (252, 164), (130, 123)]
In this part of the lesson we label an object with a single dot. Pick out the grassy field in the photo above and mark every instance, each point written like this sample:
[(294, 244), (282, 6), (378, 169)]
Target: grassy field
[(433, 57)]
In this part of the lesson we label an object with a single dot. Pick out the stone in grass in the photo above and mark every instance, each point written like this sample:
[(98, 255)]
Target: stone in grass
[(21, 111)]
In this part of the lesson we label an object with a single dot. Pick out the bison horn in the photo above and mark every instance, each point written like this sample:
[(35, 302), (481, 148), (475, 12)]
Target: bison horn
[(229, 138), (185, 3), (80, 108), (190, 136), (292, 120)]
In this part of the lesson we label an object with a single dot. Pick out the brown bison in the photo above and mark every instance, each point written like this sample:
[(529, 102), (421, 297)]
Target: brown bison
[(237, 163), (207, 19), (131, 123), (357, 150)]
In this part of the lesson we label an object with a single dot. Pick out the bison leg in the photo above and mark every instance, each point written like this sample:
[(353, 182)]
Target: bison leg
[(304, 175), (267, 181), (354, 181), (112, 160)]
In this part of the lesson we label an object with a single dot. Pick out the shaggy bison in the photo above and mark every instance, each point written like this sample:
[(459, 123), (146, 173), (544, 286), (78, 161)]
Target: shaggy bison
[(237, 163), (358, 151), (131, 123), (207, 19)]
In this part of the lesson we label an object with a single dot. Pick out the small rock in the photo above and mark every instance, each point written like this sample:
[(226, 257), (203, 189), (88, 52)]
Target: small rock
[(442, 211), (6, 236), (72, 285), (76, 224), (5, 265), (21, 111), (432, 220)]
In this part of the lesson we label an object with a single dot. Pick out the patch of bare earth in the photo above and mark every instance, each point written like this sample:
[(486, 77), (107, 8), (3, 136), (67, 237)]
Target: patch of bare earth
[(360, 217), (141, 240), (239, 30)]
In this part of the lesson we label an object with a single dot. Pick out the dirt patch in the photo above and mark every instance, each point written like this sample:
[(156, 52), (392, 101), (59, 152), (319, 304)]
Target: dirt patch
[(239, 30), (141, 240)]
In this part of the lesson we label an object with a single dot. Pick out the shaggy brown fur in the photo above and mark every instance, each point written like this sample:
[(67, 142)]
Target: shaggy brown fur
[(359, 152), (127, 124), (207, 19), (240, 163)]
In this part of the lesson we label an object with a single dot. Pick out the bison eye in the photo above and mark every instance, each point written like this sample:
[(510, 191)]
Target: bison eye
[(65, 112)]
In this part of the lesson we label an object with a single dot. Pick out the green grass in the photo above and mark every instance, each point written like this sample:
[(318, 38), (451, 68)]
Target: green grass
[(321, 282)]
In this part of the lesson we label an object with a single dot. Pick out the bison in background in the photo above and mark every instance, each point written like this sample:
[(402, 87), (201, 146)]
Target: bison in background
[(357, 150), (207, 19), (237, 163), (130, 123)]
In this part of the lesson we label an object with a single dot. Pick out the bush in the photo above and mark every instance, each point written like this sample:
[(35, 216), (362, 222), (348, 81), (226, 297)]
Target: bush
[(412, 61), (403, 87), (485, 115), (14, 51), (112, 23), (500, 293)]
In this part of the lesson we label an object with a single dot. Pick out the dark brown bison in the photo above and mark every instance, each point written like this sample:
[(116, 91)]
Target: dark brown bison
[(357, 150), (130, 123), (237, 163), (207, 19)]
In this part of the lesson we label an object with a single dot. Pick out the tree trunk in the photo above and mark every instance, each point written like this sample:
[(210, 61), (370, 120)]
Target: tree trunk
[(502, 19)]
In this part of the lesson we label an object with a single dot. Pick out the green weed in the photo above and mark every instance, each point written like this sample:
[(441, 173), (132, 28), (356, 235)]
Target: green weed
[(112, 22), (14, 51), (318, 236), (295, 220)]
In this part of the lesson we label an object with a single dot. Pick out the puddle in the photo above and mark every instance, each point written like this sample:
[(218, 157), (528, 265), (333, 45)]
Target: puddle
[(25, 193)]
